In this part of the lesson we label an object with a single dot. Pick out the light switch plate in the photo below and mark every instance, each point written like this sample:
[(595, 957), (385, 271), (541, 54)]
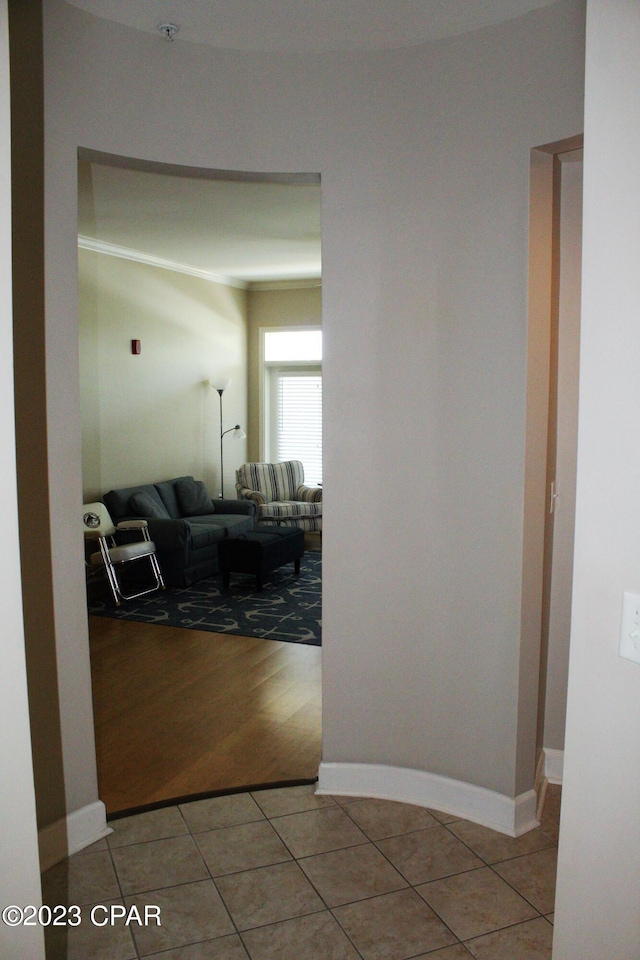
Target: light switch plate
[(630, 627)]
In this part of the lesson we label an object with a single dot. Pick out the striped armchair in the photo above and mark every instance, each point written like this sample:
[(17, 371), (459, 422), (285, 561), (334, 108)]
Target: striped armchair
[(280, 495)]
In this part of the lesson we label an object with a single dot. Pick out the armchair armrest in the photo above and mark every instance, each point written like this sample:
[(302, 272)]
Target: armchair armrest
[(168, 534), (132, 525), (309, 494), (245, 494), (140, 525)]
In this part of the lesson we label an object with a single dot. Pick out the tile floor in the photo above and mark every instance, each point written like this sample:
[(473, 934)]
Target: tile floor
[(283, 874)]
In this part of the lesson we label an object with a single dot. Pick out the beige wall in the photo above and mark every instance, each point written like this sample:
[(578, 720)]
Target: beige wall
[(153, 416), (274, 308)]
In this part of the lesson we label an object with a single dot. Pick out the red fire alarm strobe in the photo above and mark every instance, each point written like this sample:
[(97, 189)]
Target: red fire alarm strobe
[(135, 347)]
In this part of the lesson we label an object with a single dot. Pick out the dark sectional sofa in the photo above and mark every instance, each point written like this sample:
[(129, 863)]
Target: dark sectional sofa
[(184, 522)]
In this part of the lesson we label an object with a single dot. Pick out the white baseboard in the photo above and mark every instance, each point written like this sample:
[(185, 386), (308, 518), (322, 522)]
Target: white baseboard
[(508, 815), (553, 765), (72, 833)]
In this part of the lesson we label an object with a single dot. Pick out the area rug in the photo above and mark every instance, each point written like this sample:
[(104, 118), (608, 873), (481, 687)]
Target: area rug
[(288, 607)]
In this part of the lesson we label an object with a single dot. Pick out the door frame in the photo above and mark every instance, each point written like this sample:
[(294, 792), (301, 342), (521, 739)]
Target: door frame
[(540, 451)]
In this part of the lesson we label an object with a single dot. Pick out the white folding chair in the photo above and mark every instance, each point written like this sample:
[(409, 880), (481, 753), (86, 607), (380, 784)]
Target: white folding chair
[(98, 526)]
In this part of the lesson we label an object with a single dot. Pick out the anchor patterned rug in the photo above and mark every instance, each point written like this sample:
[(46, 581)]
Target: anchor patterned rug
[(288, 607)]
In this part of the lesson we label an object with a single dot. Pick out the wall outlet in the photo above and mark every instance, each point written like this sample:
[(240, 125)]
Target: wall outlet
[(630, 627)]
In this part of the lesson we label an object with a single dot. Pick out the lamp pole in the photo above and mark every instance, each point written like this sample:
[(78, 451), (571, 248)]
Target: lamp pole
[(239, 434), (237, 431), (220, 392)]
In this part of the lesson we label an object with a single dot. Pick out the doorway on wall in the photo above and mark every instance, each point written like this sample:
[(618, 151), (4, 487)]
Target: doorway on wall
[(551, 449), (190, 264)]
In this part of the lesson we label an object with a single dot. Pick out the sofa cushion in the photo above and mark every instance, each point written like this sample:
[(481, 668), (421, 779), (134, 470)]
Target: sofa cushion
[(148, 505), (233, 524), (166, 490), (193, 497), (118, 502), (205, 534)]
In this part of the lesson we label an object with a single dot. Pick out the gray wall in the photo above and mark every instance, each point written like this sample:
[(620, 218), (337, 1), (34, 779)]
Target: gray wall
[(598, 900), (424, 157), (19, 877)]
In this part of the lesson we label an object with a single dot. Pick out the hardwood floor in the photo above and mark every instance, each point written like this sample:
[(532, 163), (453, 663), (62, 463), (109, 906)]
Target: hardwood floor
[(179, 712)]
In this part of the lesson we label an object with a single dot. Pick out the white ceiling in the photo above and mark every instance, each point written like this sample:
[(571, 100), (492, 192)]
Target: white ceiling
[(233, 231), (310, 25)]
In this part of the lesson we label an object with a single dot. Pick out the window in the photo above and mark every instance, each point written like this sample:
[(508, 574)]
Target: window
[(293, 399), (293, 345)]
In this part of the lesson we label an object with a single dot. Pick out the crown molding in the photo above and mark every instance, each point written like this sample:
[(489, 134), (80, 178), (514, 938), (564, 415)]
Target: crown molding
[(299, 283), (126, 253)]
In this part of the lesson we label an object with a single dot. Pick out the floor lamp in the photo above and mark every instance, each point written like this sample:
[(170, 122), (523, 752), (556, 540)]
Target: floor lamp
[(237, 431)]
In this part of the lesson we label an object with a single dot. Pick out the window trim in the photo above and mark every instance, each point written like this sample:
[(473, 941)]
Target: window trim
[(265, 431)]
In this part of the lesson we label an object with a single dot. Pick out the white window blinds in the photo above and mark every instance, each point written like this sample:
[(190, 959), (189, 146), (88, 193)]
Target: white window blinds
[(299, 421)]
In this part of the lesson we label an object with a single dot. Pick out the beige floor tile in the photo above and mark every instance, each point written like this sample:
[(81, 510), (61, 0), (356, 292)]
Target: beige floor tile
[(457, 952), (224, 948), (89, 878), (443, 817), (359, 854), (493, 846), (526, 941), (153, 825), (282, 801), (428, 854), (534, 876), (384, 818), (90, 940), (354, 873), (475, 903), (245, 847), (158, 863), (550, 822), (189, 913), (201, 815), (315, 937), (96, 847), (393, 927), (318, 831), (551, 828), (268, 895)]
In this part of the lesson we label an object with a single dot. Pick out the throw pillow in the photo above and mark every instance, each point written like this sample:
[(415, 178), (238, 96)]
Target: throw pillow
[(145, 506), (193, 498)]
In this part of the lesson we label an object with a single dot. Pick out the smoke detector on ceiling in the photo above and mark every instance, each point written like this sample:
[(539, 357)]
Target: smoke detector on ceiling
[(168, 30)]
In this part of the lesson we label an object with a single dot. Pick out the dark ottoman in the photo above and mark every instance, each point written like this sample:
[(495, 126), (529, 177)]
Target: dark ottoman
[(260, 552)]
